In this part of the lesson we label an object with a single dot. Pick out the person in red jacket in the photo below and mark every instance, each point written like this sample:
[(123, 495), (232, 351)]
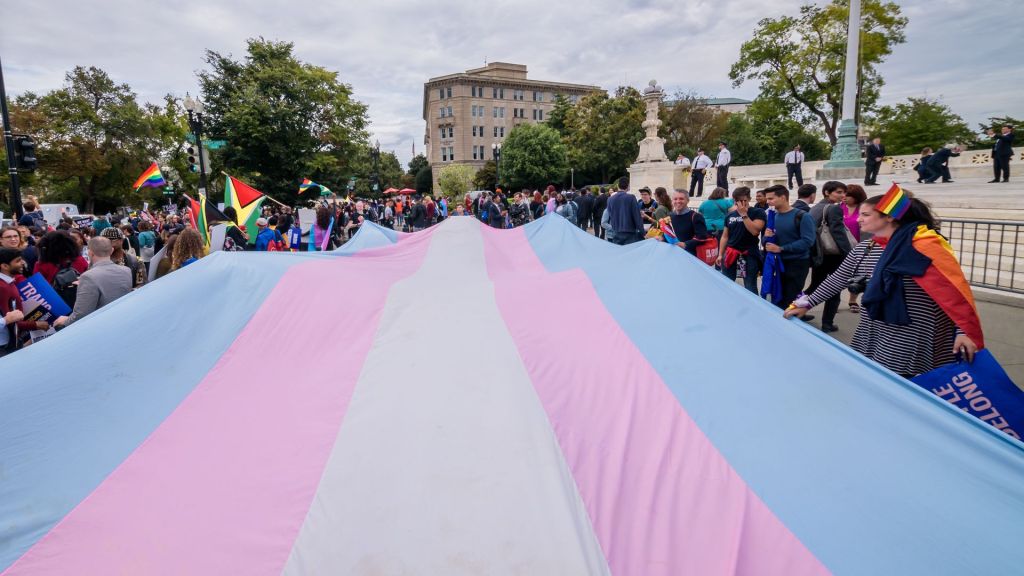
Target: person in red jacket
[(12, 317), (58, 250)]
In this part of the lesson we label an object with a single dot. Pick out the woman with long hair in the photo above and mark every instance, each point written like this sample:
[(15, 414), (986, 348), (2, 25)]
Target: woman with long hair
[(918, 311), (59, 250), (855, 196), (187, 249)]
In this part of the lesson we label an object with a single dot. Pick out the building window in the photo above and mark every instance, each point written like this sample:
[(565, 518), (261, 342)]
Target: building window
[(540, 115), (499, 93), (517, 95), (538, 96), (534, 113), (501, 132), (495, 131), (440, 93), (495, 111), (449, 91), (442, 111), (451, 152), (574, 98), (444, 154)]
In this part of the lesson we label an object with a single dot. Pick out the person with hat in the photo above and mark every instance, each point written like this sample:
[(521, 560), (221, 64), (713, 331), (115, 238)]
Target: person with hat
[(267, 236), (120, 256), (722, 163)]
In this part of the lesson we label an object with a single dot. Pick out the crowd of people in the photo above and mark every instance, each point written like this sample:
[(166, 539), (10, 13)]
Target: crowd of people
[(839, 242)]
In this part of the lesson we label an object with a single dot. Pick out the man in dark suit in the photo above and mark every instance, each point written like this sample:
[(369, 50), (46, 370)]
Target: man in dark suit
[(585, 202), (600, 205), (1002, 151), (873, 161), (938, 165)]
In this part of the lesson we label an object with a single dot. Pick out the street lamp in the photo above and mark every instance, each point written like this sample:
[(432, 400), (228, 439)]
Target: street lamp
[(496, 148), (572, 178), (195, 122), (375, 153)]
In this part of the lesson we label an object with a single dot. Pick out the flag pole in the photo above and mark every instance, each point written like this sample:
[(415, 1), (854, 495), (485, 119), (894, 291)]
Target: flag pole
[(268, 196)]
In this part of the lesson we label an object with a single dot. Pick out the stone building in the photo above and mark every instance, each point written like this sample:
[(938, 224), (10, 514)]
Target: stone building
[(468, 112)]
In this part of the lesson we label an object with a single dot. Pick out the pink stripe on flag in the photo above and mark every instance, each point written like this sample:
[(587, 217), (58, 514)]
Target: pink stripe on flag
[(662, 499), (224, 484)]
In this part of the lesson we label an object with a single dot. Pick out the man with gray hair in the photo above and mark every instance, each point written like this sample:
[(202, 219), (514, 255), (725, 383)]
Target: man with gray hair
[(101, 284)]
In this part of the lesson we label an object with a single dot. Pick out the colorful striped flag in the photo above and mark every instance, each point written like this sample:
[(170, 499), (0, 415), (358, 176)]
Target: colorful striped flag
[(247, 202), (204, 214), (151, 178), (895, 203), (308, 184)]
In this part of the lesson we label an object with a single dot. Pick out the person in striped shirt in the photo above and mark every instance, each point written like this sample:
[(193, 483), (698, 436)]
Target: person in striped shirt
[(930, 338)]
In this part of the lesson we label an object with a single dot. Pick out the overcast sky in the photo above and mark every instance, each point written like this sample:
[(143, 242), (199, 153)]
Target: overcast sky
[(965, 53)]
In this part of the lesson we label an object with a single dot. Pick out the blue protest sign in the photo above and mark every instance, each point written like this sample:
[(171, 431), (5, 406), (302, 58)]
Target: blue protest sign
[(36, 288), (982, 389)]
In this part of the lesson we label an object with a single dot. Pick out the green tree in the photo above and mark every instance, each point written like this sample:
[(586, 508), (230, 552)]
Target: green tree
[(559, 114), (424, 180), (799, 60), (531, 156), (602, 134), (417, 163), (455, 180), (94, 139), (907, 127), (390, 171), (766, 131), (995, 123), (689, 123), (486, 177), (284, 119)]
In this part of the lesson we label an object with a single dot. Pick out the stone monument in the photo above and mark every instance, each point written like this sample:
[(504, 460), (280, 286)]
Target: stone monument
[(652, 168)]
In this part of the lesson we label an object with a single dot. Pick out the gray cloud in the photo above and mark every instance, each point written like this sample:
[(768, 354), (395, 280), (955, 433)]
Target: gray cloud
[(386, 49)]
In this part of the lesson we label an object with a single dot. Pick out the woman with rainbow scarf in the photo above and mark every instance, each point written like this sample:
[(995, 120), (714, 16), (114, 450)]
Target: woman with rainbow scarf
[(918, 311)]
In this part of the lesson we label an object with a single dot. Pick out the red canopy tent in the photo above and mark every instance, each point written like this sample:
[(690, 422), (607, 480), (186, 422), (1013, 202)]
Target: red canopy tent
[(406, 191), (391, 191)]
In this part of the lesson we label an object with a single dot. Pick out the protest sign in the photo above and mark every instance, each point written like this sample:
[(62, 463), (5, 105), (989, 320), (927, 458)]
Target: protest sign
[(36, 289), (981, 389)]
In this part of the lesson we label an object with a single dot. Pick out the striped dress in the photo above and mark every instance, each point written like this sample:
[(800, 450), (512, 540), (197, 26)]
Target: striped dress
[(908, 350)]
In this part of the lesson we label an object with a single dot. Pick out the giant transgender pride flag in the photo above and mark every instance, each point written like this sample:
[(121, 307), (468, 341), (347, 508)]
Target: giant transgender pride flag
[(466, 400)]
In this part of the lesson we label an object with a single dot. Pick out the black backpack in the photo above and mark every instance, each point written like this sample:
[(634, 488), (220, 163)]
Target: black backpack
[(64, 284)]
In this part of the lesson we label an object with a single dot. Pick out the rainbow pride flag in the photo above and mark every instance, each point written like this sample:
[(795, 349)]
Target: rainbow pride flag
[(574, 435), (151, 178), (308, 184), (895, 202), (944, 281)]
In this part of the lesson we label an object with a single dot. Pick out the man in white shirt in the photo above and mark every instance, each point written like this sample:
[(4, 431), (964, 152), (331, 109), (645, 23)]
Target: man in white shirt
[(700, 163), (723, 161), (682, 161), (794, 166)]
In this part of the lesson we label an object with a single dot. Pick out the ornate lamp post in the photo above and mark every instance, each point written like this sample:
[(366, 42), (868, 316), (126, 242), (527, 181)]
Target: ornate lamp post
[(375, 153), (496, 148), (846, 152), (195, 122)]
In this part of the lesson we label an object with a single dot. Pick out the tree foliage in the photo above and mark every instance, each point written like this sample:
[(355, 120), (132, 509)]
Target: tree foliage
[(486, 178), (765, 132), (688, 123), (94, 139), (425, 180), (531, 156), (417, 163), (799, 60), (602, 133), (455, 180), (284, 119), (908, 127)]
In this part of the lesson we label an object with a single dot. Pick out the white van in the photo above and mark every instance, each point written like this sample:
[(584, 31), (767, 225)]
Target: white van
[(52, 212)]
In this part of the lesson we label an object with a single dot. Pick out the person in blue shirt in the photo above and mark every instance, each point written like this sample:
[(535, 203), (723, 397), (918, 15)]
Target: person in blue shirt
[(266, 235), (794, 236)]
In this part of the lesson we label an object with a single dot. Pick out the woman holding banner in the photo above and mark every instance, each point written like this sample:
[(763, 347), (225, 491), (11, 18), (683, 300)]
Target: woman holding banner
[(918, 311)]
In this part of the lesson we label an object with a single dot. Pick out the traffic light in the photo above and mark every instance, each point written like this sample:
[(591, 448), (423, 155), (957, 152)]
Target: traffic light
[(193, 159), (25, 153)]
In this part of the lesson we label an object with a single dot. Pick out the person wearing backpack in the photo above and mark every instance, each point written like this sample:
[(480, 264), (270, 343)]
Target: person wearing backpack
[(61, 263), (833, 242), (268, 240), (714, 210), (566, 208), (33, 216)]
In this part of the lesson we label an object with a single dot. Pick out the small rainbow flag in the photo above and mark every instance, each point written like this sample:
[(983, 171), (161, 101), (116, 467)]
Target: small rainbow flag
[(307, 184), (151, 177), (895, 203)]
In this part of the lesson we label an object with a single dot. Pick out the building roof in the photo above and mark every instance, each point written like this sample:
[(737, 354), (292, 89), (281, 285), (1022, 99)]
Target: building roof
[(724, 101)]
